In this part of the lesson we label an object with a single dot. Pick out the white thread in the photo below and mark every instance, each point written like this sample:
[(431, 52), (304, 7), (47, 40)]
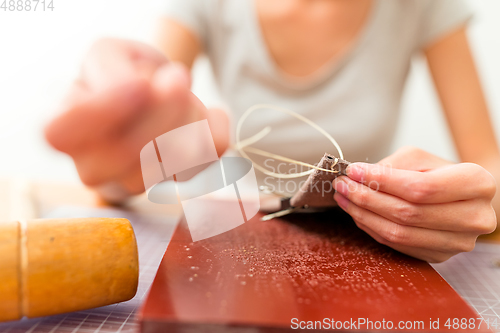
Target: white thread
[(241, 146), (278, 214), (253, 139), (286, 159)]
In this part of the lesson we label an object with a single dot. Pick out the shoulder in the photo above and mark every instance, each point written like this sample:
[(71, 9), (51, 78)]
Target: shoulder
[(424, 8), (428, 20)]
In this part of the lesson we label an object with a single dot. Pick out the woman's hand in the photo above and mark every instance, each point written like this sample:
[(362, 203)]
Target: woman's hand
[(419, 204), (127, 94)]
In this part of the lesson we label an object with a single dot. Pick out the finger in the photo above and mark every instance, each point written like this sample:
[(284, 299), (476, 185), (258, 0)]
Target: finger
[(432, 256), (400, 235), (112, 61), (170, 79), (449, 183), (133, 181), (97, 117), (412, 158), (105, 162), (112, 157), (173, 105), (464, 216), (117, 191), (77, 94), (112, 193)]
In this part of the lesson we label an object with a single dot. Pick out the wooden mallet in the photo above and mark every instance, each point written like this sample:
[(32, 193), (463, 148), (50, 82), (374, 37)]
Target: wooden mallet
[(52, 266)]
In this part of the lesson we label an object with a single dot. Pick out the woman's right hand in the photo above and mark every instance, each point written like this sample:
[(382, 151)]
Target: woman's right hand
[(127, 94)]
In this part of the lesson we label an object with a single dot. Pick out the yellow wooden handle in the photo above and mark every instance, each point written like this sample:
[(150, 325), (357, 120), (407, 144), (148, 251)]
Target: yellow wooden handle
[(51, 266)]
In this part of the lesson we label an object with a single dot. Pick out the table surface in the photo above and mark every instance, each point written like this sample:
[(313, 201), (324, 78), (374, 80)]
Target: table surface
[(474, 275)]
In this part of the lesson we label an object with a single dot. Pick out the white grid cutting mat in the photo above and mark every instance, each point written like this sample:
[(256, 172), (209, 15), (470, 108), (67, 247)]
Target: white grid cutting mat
[(474, 276)]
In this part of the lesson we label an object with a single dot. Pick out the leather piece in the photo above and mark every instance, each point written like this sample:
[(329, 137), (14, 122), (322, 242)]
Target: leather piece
[(259, 276), (317, 190)]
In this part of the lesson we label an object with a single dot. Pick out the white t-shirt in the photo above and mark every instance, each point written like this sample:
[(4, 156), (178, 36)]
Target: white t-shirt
[(355, 98)]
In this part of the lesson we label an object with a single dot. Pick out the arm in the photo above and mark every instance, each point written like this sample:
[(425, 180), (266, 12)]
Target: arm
[(180, 44), (452, 67), (418, 203), (177, 42)]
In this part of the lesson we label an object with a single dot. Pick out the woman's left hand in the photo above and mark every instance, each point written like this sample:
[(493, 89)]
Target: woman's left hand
[(419, 204)]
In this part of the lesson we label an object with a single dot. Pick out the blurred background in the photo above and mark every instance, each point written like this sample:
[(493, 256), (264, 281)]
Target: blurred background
[(40, 55)]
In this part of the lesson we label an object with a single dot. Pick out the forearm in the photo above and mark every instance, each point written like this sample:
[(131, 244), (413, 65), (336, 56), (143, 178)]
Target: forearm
[(452, 67), (493, 166)]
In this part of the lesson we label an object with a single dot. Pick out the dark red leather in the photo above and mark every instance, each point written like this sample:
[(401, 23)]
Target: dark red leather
[(304, 266)]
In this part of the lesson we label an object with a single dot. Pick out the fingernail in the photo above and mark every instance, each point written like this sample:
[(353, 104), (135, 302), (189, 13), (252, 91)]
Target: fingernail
[(173, 72), (342, 201), (356, 171), (341, 187)]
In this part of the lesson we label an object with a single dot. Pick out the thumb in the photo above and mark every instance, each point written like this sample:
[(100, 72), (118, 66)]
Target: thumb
[(170, 78), (172, 95), (412, 158), (113, 61)]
